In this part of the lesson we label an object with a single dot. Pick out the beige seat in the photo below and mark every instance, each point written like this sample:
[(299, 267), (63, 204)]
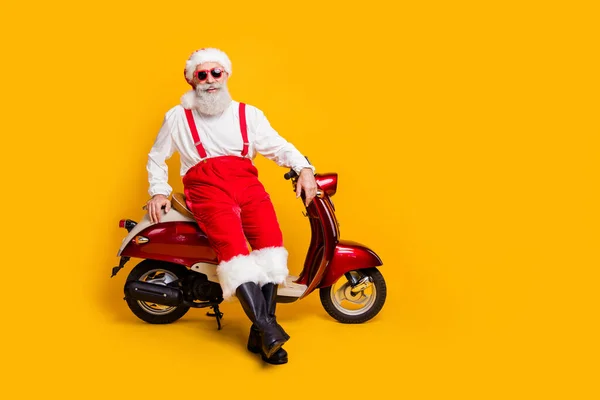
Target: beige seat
[(178, 203)]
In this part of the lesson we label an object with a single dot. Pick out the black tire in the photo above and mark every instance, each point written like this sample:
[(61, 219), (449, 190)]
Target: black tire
[(142, 313), (354, 317)]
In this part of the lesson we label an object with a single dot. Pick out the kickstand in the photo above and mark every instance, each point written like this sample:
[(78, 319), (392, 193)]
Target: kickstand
[(218, 314)]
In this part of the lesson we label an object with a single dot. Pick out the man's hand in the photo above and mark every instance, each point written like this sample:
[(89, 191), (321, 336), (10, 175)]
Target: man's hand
[(154, 206), (306, 181)]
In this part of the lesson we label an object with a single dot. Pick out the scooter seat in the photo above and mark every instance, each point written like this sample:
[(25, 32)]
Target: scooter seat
[(178, 203)]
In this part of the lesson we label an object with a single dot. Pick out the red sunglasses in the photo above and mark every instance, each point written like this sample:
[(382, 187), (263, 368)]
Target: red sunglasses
[(203, 74)]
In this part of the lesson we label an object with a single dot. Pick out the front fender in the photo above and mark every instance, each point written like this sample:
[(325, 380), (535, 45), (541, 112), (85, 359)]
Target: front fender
[(349, 256)]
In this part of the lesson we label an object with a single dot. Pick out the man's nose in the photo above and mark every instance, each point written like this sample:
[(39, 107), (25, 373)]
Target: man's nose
[(210, 79)]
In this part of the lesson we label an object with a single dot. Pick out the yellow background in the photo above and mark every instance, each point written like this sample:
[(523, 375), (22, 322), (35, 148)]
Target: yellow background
[(465, 135)]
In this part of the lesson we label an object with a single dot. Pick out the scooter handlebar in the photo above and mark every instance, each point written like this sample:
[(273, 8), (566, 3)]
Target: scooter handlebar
[(289, 175)]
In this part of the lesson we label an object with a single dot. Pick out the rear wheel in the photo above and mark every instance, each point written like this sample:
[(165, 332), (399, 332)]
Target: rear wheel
[(359, 304), (158, 273)]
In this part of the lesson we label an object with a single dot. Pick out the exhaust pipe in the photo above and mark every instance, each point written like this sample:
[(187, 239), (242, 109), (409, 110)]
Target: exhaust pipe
[(159, 294)]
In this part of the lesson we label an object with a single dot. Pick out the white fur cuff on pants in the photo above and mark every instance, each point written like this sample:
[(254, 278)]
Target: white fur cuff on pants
[(272, 261), (237, 271)]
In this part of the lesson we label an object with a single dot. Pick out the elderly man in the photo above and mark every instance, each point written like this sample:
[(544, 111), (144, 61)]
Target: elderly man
[(217, 139)]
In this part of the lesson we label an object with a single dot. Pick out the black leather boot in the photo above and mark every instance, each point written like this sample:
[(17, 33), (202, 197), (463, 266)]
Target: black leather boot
[(254, 345), (255, 307), (270, 292), (280, 356)]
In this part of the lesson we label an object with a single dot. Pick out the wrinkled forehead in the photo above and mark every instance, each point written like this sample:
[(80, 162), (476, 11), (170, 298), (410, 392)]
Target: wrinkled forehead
[(208, 65)]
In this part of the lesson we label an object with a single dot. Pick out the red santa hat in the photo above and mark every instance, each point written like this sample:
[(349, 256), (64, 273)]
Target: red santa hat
[(208, 54)]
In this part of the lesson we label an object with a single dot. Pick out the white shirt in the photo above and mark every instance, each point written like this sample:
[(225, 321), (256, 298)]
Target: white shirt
[(220, 136)]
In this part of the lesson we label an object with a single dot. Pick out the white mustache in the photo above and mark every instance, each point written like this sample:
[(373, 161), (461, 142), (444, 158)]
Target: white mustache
[(206, 86)]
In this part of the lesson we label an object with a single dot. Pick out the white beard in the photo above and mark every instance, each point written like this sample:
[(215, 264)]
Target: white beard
[(208, 103)]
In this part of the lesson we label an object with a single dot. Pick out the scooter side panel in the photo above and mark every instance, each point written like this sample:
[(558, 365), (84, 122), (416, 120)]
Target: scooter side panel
[(172, 216), (349, 256), (177, 242)]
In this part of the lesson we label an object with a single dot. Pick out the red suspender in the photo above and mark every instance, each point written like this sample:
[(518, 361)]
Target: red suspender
[(198, 144), (244, 128), (192, 124)]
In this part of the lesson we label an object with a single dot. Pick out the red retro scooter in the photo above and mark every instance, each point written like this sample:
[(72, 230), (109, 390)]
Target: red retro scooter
[(178, 271)]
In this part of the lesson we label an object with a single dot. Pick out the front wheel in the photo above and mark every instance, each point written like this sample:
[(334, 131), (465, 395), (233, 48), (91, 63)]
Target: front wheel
[(355, 305)]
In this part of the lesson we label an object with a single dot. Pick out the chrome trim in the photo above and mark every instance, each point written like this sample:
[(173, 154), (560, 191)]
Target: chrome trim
[(141, 239)]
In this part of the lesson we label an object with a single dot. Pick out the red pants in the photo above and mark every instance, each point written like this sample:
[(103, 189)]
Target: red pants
[(231, 206)]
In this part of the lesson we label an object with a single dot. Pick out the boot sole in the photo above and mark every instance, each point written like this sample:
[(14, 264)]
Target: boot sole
[(256, 350), (274, 362), (275, 347)]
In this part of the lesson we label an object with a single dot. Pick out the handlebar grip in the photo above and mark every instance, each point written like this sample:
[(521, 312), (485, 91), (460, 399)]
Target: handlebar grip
[(289, 175)]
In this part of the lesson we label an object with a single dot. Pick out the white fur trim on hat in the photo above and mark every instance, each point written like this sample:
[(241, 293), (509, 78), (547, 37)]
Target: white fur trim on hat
[(237, 271), (273, 263), (206, 55)]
